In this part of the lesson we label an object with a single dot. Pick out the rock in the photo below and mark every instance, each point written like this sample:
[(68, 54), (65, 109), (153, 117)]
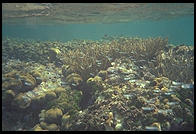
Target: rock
[(39, 101), (189, 102), (37, 128), (103, 74), (8, 96), (50, 127), (37, 76), (53, 115), (22, 101), (28, 82), (50, 96), (59, 90), (12, 83)]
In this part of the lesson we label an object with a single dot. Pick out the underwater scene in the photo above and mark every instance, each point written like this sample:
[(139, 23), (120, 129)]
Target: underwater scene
[(97, 66)]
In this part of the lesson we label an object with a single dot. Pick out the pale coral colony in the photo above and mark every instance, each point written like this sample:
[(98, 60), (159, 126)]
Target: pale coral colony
[(123, 84)]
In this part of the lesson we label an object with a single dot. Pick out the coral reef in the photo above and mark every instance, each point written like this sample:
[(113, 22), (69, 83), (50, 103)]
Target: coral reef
[(125, 84)]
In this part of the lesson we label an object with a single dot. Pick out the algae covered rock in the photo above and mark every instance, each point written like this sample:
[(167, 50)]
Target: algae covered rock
[(50, 95), (53, 115), (12, 83), (8, 96), (37, 128), (59, 90), (50, 127)]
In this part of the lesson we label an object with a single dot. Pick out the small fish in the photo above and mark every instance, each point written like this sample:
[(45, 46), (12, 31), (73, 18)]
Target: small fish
[(142, 55), (149, 62), (127, 78), (147, 108), (109, 58), (141, 67), (127, 96), (64, 83), (122, 52), (176, 83), (162, 111), (157, 91), (142, 60), (149, 128), (99, 63), (38, 78), (91, 74), (82, 67), (90, 66), (174, 87), (132, 52), (153, 60), (27, 84), (187, 86), (172, 103), (113, 63), (30, 94), (73, 84), (132, 81), (167, 93)]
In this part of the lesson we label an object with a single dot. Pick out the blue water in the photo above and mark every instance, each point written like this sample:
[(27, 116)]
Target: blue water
[(178, 31)]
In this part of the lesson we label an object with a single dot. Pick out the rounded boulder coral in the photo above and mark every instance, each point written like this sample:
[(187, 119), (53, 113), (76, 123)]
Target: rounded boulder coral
[(53, 115)]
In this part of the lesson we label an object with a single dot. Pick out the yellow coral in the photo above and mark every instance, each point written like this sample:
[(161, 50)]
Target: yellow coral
[(109, 120), (156, 124), (175, 98), (156, 88), (37, 128), (56, 50), (165, 100), (166, 106), (157, 102), (164, 89)]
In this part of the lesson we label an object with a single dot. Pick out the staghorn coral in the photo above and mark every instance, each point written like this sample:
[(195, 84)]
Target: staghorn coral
[(177, 64)]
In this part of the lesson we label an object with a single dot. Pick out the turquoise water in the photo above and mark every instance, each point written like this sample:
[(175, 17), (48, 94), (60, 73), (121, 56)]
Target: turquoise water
[(178, 31)]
